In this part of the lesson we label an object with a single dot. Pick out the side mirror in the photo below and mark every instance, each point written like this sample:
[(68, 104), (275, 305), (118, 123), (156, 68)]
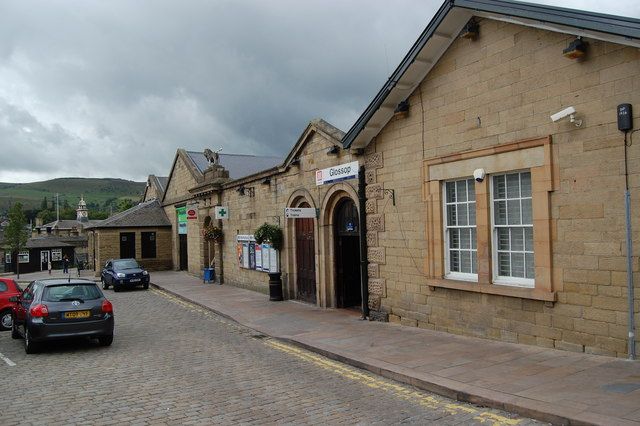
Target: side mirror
[(13, 299)]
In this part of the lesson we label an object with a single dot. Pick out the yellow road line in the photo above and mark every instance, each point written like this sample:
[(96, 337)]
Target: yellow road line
[(365, 378)]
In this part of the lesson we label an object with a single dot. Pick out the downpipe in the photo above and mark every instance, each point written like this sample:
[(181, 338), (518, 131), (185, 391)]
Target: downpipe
[(364, 282)]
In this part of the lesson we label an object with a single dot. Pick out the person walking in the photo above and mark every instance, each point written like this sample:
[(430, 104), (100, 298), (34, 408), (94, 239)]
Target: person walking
[(65, 264), (49, 266)]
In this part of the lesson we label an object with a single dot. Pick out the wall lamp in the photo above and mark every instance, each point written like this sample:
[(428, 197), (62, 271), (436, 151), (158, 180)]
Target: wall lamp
[(576, 49), (243, 190), (402, 109), (266, 181), (333, 150), (471, 30), (295, 161)]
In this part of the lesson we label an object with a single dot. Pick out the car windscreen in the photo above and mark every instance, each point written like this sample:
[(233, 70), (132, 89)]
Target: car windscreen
[(125, 264), (68, 292)]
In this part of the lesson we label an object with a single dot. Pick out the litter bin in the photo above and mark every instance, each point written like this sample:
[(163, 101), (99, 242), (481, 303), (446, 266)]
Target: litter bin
[(209, 275)]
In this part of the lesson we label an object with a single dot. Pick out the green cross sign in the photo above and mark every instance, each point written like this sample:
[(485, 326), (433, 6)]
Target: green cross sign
[(222, 212)]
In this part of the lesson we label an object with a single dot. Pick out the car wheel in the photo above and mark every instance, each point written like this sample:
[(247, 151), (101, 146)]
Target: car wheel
[(5, 320), (105, 286), (29, 346), (145, 286), (116, 288), (15, 334), (105, 340)]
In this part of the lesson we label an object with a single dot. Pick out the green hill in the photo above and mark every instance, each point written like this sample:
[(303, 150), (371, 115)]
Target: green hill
[(70, 189)]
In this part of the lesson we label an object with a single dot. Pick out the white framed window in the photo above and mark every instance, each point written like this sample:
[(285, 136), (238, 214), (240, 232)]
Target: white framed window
[(23, 256), (512, 229), (7, 258), (461, 253)]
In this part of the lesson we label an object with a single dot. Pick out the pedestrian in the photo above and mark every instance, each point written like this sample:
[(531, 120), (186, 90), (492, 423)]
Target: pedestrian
[(49, 266), (65, 264)]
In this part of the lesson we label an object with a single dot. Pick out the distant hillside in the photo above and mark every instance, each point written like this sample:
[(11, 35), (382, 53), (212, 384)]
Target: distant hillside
[(94, 191)]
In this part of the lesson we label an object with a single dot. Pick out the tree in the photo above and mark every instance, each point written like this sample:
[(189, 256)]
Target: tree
[(15, 234), (125, 204), (46, 216), (45, 204)]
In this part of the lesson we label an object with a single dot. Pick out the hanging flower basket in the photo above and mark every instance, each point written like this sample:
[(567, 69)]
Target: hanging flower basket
[(269, 233), (212, 233)]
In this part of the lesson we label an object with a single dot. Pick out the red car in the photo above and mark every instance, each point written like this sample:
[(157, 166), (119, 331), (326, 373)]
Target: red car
[(8, 288)]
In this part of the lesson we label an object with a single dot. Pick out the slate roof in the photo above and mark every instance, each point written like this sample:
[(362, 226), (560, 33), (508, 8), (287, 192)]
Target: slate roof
[(46, 242), (144, 215), (68, 224), (238, 165)]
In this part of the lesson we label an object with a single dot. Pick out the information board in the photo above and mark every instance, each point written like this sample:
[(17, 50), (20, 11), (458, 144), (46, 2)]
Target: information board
[(181, 213)]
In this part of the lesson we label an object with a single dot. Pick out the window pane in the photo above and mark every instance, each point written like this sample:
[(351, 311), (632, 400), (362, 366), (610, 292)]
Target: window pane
[(451, 192), (451, 215), (530, 269), (517, 239), (454, 261), (454, 238), (503, 239), (528, 239), (462, 214), (517, 265), (513, 186), (513, 212), (474, 263), (473, 238), (461, 190), (525, 184), (465, 261), (500, 212), (504, 264), (499, 189), (527, 212), (471, 186), (472, 214), (465, 238)]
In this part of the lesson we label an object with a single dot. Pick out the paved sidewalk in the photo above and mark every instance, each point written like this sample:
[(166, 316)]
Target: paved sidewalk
[(56, 273), (550, 385)]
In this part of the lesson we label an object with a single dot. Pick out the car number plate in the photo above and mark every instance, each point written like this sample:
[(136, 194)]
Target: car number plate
[(134, 280), (77, 314)]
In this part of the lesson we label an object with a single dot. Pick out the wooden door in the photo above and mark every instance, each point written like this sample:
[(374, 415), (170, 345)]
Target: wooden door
[(347, 251), (305, 260), (127, 245), (184, 262)]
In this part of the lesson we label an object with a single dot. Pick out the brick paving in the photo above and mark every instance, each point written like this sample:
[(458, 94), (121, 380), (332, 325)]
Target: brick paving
[(173, 362)]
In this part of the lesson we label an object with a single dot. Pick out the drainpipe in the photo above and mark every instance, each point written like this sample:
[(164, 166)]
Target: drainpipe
[(364, 282), (630, 295)]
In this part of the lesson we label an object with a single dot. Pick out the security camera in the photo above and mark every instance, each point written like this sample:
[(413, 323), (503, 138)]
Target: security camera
[(562, 114), (479, 175)]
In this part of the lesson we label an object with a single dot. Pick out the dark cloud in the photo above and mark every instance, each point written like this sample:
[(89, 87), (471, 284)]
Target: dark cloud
[(97, 88)]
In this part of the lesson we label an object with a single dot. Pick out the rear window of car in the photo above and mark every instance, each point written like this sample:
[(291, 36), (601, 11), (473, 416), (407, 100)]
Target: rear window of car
[(125, 264), (60, 293)]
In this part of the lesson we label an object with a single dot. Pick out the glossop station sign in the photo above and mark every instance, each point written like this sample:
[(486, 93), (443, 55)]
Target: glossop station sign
[(337, 173)]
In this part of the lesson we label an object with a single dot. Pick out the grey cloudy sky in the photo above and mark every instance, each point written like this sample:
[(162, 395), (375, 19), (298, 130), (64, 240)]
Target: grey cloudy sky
[(98, 88)]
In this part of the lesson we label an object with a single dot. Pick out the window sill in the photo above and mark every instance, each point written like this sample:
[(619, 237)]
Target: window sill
[(501, 290)]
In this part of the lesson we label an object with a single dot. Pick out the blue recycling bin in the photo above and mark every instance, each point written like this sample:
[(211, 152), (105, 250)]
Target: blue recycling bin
[(209, 275)]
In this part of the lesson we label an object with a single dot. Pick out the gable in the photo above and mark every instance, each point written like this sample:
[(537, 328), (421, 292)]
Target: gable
[(180, 180)]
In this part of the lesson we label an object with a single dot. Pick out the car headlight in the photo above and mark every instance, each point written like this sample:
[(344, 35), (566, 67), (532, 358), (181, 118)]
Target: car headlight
[(145, 273), (120, 275)]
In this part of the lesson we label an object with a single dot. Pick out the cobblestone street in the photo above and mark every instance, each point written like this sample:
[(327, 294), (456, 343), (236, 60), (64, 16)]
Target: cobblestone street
[(172, 362)]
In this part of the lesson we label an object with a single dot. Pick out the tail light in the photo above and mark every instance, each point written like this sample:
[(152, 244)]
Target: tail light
[(39, 311), (107, 307)]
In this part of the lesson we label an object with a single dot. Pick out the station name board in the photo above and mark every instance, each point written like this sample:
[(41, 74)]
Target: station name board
[(337, 173)]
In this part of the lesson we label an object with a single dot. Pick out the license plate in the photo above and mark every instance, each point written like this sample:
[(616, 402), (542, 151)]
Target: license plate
[(134, 280), (77, 314)]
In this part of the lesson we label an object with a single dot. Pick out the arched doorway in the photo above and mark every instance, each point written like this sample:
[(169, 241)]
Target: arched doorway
[(305, 258), (347, 251)]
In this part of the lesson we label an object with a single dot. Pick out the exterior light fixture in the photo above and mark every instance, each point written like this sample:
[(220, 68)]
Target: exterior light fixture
[(241, 190), (266, 181), (471, 30), (295, 161), (402, 109), (576, 49), (333, 150)]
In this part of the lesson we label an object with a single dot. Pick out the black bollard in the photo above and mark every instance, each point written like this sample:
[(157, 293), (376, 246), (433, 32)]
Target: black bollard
[(275, 286)]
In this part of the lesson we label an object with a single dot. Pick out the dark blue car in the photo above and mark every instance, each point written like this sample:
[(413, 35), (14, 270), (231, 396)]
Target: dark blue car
[(121, 273)]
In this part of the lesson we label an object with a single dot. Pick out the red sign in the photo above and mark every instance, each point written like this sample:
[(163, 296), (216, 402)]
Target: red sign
[(192, 214)]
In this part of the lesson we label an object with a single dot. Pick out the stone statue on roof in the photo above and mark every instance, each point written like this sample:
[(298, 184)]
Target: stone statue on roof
[(212, 157)]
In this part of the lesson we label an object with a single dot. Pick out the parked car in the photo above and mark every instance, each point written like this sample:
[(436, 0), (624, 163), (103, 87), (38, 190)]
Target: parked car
[(121, 273), (57, 308), (8, 288)]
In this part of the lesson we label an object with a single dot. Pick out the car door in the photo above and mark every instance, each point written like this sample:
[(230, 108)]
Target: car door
[(24, 302), (106, 276)]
